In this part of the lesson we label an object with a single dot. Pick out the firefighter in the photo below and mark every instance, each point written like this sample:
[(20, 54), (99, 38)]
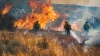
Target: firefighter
[(86, 28), (67, 28), (36, 26)]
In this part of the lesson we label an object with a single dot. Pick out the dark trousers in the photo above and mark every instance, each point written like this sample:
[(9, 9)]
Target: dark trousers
[(67, 32), (86, 31)]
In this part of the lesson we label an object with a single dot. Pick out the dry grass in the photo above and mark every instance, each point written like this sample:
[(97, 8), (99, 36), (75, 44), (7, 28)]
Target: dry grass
[(30, 44)]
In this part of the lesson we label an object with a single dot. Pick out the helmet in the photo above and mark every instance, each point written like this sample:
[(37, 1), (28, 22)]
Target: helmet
[(86, 22), (66, 20)]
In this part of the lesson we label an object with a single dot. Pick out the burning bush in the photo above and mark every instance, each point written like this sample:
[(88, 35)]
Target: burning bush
[(42, 12)]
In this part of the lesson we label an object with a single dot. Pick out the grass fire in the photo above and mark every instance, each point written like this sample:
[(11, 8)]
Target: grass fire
[(43, 13), (43, 28)]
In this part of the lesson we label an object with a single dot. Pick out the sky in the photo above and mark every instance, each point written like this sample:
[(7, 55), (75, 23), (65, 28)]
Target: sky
[(79, 2)]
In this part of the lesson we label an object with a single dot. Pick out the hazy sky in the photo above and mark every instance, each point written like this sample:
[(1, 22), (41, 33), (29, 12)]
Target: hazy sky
[(79, 2)]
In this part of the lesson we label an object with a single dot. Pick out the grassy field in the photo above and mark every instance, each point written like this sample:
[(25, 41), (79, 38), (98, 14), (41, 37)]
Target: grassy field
[(47, 44)]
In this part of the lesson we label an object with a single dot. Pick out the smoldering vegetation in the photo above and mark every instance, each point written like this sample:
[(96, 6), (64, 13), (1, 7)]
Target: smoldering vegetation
[(30, 44), (51, 44), (77, 14)]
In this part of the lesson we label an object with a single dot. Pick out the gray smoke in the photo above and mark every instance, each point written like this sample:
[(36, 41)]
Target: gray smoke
[(93, 37)]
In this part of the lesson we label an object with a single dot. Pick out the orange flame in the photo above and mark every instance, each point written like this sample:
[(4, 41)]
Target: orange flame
[(6, 9), (60, 27), (75, 27), (43, 13)]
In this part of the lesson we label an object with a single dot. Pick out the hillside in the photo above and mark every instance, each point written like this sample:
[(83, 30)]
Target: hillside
[(72, 9), (75, 12)]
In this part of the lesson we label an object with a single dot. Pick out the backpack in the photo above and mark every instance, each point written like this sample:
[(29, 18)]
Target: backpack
[(86, 26), (67, 27)]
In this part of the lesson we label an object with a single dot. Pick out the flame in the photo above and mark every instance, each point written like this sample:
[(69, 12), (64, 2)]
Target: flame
[(44, 13), (26, 23), (6, 9), (75, 26), (60, 27)]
